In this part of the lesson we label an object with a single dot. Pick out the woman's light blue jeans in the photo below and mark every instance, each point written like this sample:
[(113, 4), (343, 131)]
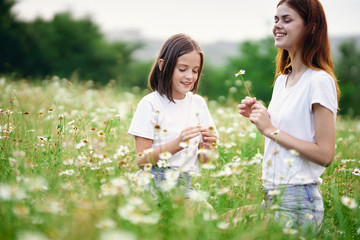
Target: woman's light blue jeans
[(297, 206)]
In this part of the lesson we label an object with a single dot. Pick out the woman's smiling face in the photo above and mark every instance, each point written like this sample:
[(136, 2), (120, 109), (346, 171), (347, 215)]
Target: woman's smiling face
[(288, 28)]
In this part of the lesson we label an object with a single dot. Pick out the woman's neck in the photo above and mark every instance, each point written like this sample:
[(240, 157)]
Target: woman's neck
[(297, 70), (297, 66)]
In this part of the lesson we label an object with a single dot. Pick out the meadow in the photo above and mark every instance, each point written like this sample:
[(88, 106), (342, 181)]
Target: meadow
[(68, 171)]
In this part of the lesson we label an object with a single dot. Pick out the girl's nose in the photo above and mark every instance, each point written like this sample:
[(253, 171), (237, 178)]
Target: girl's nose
[(189, 74)]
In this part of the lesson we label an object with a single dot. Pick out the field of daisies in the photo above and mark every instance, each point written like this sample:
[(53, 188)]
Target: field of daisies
[(68, 171)]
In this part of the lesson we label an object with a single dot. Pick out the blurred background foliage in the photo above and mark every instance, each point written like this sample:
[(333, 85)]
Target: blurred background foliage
[(76, 49)]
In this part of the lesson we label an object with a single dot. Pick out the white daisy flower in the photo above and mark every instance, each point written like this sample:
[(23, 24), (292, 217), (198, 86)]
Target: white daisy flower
[(349, 202)]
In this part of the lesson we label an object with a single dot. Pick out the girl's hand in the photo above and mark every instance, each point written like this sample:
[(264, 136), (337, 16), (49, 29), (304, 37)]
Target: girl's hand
[(245, 106), (189, 133), (260, 117), (209, 138)]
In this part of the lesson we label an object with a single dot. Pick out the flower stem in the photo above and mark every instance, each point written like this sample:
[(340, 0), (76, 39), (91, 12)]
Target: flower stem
[(247, 90)]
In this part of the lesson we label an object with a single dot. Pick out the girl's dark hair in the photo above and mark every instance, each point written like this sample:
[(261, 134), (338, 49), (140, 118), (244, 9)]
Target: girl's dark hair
[(314, 45), (173, 48)]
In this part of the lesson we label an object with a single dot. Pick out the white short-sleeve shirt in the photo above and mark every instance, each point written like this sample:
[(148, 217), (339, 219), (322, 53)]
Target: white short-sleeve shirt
[(290, 111), (172, 118)]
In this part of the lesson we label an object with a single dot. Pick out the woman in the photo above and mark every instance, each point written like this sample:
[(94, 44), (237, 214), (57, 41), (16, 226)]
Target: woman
[(299, 124)]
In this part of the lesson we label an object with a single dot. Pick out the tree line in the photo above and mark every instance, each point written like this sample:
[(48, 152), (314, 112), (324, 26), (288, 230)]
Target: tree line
[(76, 49), (62, 46)]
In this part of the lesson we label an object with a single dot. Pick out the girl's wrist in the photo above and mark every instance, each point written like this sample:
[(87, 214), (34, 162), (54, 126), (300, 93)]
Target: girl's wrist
[(178, 144)]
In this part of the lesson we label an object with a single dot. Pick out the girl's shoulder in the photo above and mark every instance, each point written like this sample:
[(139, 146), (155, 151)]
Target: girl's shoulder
[(152, 98), (196, 98)]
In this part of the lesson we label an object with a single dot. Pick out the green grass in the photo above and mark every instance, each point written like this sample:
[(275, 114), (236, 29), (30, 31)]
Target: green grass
[(62, 179)]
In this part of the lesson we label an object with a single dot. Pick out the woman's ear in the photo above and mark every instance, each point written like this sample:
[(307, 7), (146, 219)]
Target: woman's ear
[(160, 63), (313, 28)]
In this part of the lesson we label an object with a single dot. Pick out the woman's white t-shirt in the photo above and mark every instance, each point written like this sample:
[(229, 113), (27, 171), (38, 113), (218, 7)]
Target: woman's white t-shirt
[(291, 111), (156, 110)]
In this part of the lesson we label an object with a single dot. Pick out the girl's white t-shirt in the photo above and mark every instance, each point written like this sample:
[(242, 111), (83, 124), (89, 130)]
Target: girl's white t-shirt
[(291, 111), (156, 110)]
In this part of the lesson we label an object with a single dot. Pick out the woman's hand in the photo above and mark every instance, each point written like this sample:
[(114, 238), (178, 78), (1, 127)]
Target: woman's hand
[(260, 117), (245, 106)]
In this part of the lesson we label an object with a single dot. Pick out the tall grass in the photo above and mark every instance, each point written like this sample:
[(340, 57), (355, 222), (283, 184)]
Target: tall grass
[(68, 172)]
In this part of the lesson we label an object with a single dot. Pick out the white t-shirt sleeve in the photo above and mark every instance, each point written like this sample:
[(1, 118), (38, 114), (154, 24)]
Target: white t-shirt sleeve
[(142, 124), (206, 118), (323, 91)]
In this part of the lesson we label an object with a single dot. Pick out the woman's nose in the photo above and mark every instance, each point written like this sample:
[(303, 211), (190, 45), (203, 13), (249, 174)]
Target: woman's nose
[(277, 25)]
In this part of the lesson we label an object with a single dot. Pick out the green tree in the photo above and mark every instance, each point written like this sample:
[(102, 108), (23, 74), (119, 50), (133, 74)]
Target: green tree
[(12, 40), (212, 83), (348, 72), (257, 59), (130, 72), (63, 46), (66, 46)]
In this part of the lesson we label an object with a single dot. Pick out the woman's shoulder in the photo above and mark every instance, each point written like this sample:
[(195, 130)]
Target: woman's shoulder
[(318, 73), (281, 78), (323, 89), (320, 77)]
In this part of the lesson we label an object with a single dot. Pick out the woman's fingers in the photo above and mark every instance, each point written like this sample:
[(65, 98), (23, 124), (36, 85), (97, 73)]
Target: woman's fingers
[(242, 106), (246, 106), (253, 117)]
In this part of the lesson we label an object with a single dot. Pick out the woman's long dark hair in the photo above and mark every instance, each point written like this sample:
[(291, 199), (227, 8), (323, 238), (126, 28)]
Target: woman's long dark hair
[(314, 45)]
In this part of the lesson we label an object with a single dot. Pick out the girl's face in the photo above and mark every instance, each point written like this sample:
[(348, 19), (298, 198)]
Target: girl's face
[(186, 73), (288, 28)]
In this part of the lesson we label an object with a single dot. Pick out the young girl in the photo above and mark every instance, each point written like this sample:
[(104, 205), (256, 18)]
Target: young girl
[(299, 124), (172, 123)]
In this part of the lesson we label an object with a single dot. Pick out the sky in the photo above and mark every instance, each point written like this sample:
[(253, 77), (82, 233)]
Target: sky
[(207, 21)]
